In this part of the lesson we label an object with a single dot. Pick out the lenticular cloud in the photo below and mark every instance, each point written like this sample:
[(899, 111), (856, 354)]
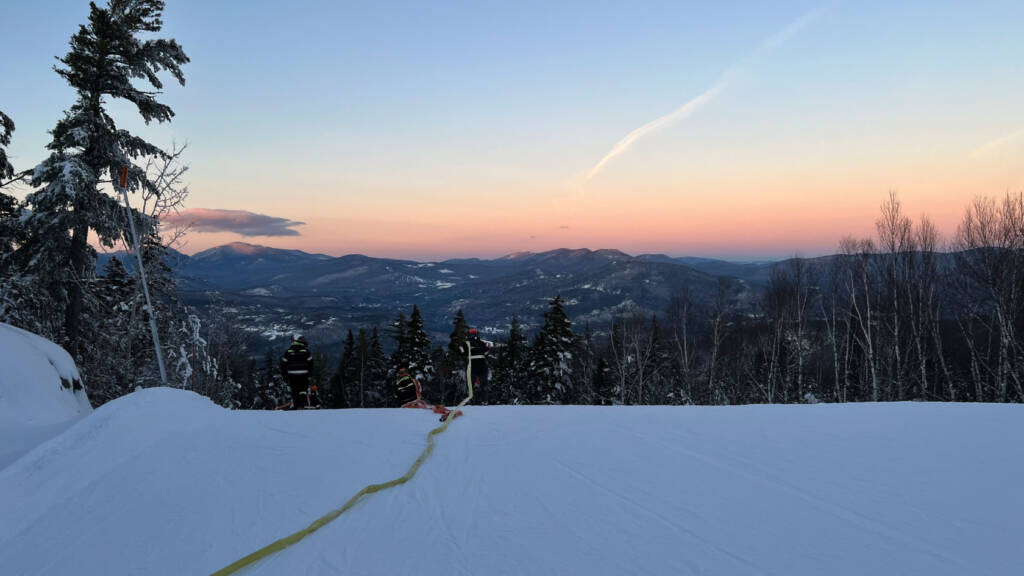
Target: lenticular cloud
[(237, 221)]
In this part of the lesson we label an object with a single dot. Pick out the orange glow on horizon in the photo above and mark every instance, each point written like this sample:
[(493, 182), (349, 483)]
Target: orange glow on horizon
[(767, 212)]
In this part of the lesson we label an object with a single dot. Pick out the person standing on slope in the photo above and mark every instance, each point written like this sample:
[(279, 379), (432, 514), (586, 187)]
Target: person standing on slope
[(405, 392), (296, 366), (475, 351)]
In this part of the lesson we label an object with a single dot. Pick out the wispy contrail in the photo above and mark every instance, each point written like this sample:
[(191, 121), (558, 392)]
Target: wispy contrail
[(989, 147), (680, 113), (687, 110)]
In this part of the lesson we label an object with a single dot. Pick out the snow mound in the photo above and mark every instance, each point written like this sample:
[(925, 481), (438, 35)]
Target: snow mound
[(119, 432), (165, 482), (40, 391), (39, 383)]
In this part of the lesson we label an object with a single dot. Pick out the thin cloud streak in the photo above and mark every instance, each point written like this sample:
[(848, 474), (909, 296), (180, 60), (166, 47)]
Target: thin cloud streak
[(238, 221), (992, 146), (681, 113), (687, 110)]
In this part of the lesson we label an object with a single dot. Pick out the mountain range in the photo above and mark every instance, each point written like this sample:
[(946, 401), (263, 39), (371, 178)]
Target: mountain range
[(276, 292)]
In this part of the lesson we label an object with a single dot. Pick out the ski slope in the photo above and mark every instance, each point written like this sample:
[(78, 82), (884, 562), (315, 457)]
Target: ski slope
[(164, 482)]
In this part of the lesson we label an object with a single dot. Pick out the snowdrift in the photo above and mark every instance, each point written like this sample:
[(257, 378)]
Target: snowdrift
[(40, 391), (165, 482)]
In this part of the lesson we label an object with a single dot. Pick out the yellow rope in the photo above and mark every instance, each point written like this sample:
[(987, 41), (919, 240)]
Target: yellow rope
[(322, 521)]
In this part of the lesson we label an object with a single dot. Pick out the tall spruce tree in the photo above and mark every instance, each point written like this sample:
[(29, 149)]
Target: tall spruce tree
[(400, 357), (87, 148), (551, 374), (359, 371), (342, 382), (508, 382), (459, 334), (6, 130), (10, 227), (440, 389), (660, 364), (376, 372), (454, 363), (111, 374), (420, 364), (585, 367)]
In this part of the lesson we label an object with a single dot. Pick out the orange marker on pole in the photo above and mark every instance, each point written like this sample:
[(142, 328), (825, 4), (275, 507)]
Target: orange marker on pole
[(124, 177)]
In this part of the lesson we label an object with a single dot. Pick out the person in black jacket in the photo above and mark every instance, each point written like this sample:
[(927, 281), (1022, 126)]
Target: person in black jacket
[(475, 352), (405, 388), (296, 366)]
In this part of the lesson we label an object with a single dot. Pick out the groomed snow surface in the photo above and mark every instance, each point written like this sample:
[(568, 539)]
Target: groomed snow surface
[(164, 482)]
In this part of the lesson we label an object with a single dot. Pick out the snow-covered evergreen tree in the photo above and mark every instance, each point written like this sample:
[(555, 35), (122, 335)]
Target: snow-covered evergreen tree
[(9, 210), (368, 366), (376, 372), (24, 300), (345, 383), (270, 390), (443, 389), (550, 364), (6, 129), (420, 364), (459, 334), (108, 54), (111, 374), (658, 367), (451, 364), (10, 230), (509, 377), (412, 352), (118, 356)]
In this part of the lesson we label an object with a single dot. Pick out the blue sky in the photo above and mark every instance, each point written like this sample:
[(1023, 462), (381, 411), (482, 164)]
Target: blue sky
[(471, 123)]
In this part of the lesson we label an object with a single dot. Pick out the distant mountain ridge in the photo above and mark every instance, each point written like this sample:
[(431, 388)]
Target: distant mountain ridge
[(277, 290), (242, 249)]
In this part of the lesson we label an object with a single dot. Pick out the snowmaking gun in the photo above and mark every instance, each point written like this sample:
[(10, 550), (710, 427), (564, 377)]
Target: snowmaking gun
[(444, 411), (422, 404)]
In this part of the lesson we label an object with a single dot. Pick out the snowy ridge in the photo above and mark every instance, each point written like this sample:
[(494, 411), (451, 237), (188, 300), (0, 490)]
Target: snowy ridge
[(164, 482)]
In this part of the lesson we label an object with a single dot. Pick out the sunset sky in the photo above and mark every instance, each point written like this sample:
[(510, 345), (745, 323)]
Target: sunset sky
[(429, 130)]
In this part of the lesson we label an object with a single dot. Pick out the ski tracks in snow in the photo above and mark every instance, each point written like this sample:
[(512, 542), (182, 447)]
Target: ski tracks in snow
[(636, 505), (755, 473)]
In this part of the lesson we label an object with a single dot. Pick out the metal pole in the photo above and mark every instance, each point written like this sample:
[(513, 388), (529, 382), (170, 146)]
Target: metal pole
[(142, 276)]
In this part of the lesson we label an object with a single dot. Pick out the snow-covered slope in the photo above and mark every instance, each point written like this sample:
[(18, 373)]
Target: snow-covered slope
[(164, 482), (40, 391)]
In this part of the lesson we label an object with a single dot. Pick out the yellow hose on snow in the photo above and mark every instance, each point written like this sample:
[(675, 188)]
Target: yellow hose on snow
[(322, 521)]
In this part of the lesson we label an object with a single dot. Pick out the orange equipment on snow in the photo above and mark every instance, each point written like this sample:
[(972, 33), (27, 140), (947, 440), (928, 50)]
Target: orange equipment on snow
[(419, 402)]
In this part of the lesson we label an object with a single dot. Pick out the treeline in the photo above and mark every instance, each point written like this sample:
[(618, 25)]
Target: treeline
[(541, 372), (900, 316)]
